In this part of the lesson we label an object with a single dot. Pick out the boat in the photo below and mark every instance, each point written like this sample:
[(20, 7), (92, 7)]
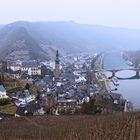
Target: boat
[(115, 81), (129, 63)]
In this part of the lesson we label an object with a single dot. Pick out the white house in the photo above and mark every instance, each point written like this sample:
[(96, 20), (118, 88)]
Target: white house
[(3, 92), (15, 67), (34, 71), (80, 79)]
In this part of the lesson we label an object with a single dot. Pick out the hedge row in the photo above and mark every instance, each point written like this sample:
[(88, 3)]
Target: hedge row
[(5, 101)]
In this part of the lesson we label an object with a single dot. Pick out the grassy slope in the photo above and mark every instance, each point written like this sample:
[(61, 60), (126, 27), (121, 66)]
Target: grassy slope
[(8, 109), (12, 86)]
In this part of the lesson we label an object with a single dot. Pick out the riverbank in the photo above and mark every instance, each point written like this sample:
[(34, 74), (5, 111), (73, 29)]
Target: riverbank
[(128, 88), (101, 77)]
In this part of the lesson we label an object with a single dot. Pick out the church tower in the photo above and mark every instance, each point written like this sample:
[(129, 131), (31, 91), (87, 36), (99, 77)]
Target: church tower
[(57, 66)]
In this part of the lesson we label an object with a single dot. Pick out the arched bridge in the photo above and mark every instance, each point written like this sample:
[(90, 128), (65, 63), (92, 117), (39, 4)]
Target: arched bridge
[(114, 71)]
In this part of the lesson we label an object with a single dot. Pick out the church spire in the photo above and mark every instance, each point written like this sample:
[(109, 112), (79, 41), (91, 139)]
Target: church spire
[(57, 58), (57, 66)]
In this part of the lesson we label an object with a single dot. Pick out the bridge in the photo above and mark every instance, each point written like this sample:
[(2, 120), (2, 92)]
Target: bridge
[(114, 71)]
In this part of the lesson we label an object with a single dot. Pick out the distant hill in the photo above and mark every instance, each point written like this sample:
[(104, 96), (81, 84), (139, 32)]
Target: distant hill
[(1, 26), (15, 38), (42, 39)]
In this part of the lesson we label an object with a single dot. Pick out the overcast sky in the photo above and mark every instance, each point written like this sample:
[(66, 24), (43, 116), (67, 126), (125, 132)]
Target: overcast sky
[(120, 13)]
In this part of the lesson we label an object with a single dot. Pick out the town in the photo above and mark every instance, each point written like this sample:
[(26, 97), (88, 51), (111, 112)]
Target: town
[(66, 85)]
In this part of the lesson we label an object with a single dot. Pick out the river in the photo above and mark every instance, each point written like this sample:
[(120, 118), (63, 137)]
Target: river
[(130, 89)]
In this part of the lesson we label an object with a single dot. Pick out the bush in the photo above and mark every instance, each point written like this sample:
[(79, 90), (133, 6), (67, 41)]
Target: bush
[(89, 108), (5, 101)]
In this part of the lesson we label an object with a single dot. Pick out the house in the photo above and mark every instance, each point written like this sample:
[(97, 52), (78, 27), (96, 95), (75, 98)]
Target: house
[(80, 79), (23, 99), (116, 97), (31, 67), (66, 105), (3, 92), (15, 67), (30, 109)]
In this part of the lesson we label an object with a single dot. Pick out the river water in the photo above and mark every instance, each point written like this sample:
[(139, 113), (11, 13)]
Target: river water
[(130, 89)]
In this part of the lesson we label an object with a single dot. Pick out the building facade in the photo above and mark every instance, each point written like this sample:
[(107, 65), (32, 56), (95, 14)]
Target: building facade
[(57, 66), (31, 67)]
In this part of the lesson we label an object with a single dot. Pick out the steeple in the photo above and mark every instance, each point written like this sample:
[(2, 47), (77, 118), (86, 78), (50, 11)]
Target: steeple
[(57, 58), (57, 66)]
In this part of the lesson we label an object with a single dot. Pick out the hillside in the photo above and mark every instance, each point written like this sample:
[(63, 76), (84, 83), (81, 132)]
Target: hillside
[(42, 39), (18, 39), (1, 26), (121, 126)]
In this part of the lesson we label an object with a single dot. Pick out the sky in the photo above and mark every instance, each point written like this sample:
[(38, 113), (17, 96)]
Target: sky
[(116, 13)]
